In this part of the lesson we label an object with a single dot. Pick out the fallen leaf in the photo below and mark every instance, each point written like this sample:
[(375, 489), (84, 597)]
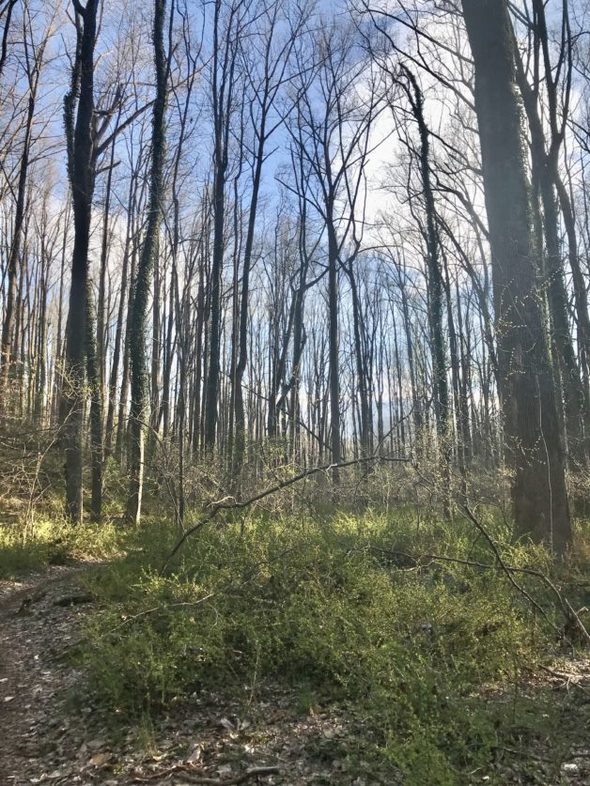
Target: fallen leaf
[(99, 759), (53, 776), (195, 755), (570, 767)]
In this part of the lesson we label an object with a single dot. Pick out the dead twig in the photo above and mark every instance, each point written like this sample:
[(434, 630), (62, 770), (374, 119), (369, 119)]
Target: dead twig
[(155, 609), (75, 599), (225, 504), (176, 769), (183, 774), (253, 772), (571, 616)]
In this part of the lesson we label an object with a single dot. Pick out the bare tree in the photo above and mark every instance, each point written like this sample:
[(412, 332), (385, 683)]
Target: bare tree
[(78, 120), (528, 397), (331, 128), (6, 10), (145, 268), (33, 56), (228, 28)]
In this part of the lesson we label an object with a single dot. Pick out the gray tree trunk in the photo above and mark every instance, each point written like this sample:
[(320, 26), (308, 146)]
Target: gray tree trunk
[(531, 424)]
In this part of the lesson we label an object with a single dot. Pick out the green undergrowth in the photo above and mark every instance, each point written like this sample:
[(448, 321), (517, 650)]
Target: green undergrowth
[(50, 541), (348, 609)]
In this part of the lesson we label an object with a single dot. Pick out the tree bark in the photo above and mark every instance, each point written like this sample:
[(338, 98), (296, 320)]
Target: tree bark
[(82, 178), (147, 260), (531, 423)]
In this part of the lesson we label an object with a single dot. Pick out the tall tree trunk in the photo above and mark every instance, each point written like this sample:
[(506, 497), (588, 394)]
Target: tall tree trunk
[(147, 259), (123, 299), (545, 173), (580, 297), (366, 422), (7, 15), (82, 177), (59, 342), (122, 423), (223, 86), (94, 383), (433, 265), (333, 355), (101, 325), (240, 417), (531, 423)]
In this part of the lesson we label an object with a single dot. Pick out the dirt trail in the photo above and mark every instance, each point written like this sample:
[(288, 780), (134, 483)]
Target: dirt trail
[(47, 739), (34, 632)]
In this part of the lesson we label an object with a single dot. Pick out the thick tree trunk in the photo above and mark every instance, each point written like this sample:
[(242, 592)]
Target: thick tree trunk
[(531, 424), (82, 178)]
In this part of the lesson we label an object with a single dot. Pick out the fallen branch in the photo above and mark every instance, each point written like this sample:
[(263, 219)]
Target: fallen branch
[(571, 616), (75, 599), (573, 621), (253, 772), (573, 680), (160, 775), (155, 609), (563, 602), (224, 504), (183, 774)]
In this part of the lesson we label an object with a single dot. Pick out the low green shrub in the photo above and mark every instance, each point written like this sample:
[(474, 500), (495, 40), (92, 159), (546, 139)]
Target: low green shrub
[(50, 541), (339, 606)]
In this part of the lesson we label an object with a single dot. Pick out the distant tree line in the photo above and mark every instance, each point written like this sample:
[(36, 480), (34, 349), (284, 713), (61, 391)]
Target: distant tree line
[(263, 233)]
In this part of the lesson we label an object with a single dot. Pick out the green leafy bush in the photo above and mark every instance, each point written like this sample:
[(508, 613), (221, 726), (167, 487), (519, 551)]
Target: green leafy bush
[(337, 605)]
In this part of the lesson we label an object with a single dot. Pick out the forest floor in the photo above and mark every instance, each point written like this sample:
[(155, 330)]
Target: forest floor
[(52, 733)]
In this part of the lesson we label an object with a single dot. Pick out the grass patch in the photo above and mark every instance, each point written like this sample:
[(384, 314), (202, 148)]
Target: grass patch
[(50, 541), (336, 608)]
